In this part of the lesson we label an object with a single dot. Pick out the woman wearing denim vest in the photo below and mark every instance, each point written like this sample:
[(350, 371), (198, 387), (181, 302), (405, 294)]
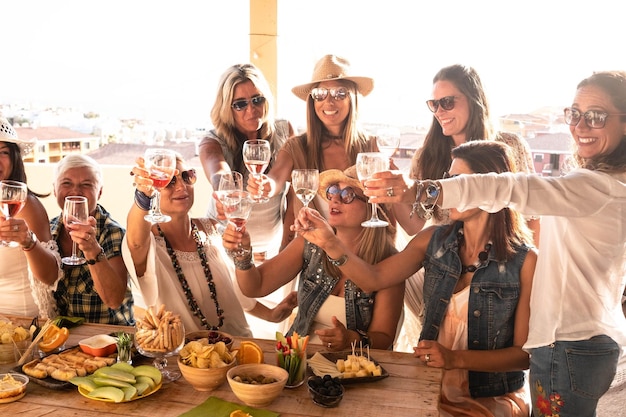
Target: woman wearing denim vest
[(478, 275), (332, 309)]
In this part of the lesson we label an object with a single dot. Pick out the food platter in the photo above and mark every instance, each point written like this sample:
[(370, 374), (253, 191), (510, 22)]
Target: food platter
[(85, 394), (333, 357)]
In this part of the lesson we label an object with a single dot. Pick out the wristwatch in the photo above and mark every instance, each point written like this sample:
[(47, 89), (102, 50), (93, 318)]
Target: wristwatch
[(101, 257), (338, 262)]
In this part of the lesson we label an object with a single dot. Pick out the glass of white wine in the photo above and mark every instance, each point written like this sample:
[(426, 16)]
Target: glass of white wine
[(75, 211), (237, 208), (256, 156), (305, 183), (388, 140), (367, 164)]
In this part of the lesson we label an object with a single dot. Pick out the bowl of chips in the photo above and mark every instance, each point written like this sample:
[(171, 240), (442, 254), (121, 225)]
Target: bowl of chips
[(204, 365), (14, 340)]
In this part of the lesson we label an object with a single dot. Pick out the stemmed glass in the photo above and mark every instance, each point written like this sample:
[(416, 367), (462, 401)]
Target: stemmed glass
[(367, 164), (227, 182), (237, 207), (161, 353), (256, 155), (161, 164), (12, 199), (305, 183), (75, 211), (388, 140)]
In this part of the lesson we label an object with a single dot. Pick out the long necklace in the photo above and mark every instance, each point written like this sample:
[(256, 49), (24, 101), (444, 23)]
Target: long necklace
[(193, 304), (482, 256)]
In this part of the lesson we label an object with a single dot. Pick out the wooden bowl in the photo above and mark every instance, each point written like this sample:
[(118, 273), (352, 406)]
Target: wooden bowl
[(205, 379), (260, 394)]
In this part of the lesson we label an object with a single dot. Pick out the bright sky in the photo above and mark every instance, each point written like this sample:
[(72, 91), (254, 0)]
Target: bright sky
[(163, 59)]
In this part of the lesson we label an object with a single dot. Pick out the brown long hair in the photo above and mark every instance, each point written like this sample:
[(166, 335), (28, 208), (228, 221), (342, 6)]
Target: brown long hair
[(18, 172), (507, 227), (433, 159)]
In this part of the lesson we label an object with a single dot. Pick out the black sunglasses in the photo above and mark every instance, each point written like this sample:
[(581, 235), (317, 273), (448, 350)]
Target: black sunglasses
[(338, 93), (189, 178), (241, 105), (347, 195), (446, 103), (593, 118)]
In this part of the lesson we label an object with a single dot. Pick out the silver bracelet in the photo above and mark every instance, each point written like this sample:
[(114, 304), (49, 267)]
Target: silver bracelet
[(418, 196), (426, 208), (245, 263)]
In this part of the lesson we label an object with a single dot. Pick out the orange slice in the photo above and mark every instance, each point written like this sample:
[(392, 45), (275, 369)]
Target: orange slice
[(249, 352), (53, 338)]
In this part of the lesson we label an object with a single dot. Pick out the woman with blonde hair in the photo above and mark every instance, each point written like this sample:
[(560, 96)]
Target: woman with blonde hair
[(332, 309)]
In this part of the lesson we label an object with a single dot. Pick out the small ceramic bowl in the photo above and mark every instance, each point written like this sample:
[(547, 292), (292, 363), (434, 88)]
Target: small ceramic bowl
[(258, 394), (99, 345), (325, 392), (12, 387)]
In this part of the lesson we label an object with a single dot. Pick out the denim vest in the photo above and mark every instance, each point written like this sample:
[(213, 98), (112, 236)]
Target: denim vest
[(316, 285), (493, 296)]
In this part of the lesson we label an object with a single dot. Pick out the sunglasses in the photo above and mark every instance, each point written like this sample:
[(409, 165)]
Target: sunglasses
[(347, 195), (240, 105), (337, 93), (188, 177), (593, 118), (446, 103)]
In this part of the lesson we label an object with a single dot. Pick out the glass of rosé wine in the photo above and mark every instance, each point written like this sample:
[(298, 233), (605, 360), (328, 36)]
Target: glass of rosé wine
[(161, 164), (237, 208), (12, 198), (256, 155)]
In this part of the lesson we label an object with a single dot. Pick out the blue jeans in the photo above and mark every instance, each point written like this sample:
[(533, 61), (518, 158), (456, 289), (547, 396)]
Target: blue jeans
[(568, 378)]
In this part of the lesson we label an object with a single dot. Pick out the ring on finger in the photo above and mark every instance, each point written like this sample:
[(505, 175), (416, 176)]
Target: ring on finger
[(390, 192), (329, 345), (16, 228), (427, 357)]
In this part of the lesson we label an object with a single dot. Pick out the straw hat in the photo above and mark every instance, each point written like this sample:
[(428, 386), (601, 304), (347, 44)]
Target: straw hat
[(333, 67), (334, 176), (8, 134)]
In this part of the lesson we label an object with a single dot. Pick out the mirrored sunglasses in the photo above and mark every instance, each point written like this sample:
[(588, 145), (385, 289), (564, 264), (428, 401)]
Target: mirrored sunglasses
[(188, 177), (240, 105), (594, 119), (446, 103), (338, 93), (347, 195)]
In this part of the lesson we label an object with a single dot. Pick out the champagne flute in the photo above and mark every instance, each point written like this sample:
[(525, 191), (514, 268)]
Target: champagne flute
[(161, 164), (13, 196), (388, 140), (256, 155), (305, 183), (367, 164), (237, 207), (75, 211)]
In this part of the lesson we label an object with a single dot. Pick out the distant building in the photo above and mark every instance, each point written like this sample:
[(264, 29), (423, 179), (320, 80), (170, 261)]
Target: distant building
[(53, 143)]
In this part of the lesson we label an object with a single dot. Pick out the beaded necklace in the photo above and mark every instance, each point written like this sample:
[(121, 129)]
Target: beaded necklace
[(193, 304), (482, 256)]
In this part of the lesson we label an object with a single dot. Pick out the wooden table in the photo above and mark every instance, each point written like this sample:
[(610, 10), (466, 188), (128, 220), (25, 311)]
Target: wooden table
[(411, 389)]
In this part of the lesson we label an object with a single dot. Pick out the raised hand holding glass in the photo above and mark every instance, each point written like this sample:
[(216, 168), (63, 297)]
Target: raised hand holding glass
[(75, 211), (13, 196), (237, 208), (367, 164), (161, 164), (305, 183), (256, 155)]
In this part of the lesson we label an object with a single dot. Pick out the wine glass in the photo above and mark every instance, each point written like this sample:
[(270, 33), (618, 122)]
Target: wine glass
[(161, 164), (237, 207), (367, 164), (75, 211), (227, 182), (388, 140), (305, 183), (174, 333), (256, 155), (12, 199)]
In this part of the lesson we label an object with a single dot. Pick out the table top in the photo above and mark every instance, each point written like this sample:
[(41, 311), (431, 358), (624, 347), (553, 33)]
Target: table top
[(411, 389)]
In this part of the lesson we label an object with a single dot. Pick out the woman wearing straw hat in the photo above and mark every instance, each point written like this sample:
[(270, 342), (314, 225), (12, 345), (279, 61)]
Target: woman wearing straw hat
[(35, 260), (333, 138), (332, 309)]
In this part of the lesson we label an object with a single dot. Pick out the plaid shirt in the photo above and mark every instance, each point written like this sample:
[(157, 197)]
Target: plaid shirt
[(76, 294)]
